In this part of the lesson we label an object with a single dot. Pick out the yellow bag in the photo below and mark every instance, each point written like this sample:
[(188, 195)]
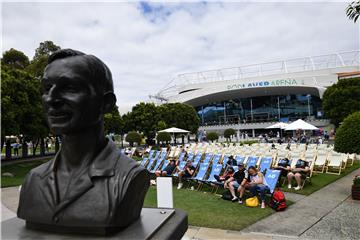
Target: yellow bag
[(252, 202)]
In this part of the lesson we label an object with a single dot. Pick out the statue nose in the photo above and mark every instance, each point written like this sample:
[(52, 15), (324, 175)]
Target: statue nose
[(53, 99)]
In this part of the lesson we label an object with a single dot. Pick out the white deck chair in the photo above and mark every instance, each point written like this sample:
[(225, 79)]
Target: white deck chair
[(335, 163), (320, 162)]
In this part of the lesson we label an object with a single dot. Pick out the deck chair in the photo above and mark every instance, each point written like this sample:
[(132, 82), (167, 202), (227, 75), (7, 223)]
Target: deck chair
[(350, 159), (197, 160), (166, 162), (208, 157), (272, 178), (252, 160), (265, 164), (308, 176), (200, 176), (182, 156), (150, 164), (158, 162), (144, 162), (211, 180), (190, 156), (320, 162), (156, 155), (225, 159), (151, 153), (216, 159), (335, 164), (239, 159), (180, 167)]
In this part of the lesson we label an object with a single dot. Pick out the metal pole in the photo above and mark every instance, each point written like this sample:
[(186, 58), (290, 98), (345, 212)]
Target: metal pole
[(251, 110), (278, 108), (308, 97), (224, 113)]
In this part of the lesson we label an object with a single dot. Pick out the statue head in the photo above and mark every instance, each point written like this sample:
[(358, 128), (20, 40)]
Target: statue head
[(77, 91)]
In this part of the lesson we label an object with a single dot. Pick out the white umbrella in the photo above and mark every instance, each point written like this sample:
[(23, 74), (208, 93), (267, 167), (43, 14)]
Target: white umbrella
[(280, 125), (175, 130), (300, 124)]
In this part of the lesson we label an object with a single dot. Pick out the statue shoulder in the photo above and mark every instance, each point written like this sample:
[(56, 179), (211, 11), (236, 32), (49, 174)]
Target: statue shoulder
[(42, 169)]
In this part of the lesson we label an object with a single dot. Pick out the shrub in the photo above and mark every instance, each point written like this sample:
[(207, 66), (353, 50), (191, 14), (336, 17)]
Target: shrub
[(347, 139), (228, 133), (163, 137), (133, 137), (212, 136), (357, 180)]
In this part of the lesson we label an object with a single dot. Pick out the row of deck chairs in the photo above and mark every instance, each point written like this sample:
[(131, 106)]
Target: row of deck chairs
[(208, 165)]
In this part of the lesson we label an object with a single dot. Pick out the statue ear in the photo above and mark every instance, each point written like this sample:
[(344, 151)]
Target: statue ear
[(109, 102)]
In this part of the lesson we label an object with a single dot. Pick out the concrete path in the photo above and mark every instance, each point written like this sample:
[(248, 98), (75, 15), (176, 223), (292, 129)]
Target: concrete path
[(314, 215)]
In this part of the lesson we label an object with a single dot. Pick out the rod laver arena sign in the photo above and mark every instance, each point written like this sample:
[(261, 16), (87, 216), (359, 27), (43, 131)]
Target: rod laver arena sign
[(280, 82)]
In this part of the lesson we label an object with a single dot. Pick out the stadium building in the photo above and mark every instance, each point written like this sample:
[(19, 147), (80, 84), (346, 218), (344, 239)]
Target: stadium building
[(255, 96)]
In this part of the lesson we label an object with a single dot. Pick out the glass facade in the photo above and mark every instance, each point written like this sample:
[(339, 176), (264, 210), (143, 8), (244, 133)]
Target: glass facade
[(261, 109)]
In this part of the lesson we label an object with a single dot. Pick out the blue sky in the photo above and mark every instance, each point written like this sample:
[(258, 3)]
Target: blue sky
[(148, 44)]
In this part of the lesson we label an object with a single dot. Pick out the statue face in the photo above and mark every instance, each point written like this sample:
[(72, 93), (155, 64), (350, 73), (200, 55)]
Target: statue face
[(70, 97)]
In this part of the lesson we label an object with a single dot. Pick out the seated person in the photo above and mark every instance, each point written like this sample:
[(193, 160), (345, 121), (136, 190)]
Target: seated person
[(234, 182), (231, 162), (284, 166), (255, 182), (168, 171), (229, 172), (300, 172), (188, 172)]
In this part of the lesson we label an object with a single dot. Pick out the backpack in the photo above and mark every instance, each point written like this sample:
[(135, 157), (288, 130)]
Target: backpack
[(278, 201), (226, 195)]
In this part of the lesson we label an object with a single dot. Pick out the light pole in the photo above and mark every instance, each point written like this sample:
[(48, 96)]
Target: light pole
[(308, 98)]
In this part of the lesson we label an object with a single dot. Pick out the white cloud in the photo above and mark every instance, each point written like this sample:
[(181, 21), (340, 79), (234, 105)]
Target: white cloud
[(145, 46)]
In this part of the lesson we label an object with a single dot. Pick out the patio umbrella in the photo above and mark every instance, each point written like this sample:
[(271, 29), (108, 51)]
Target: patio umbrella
[(174, 130), (300, 124), (280, 125)]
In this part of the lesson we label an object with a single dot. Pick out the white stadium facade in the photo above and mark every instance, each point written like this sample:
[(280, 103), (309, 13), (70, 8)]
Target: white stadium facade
[(253, 97)]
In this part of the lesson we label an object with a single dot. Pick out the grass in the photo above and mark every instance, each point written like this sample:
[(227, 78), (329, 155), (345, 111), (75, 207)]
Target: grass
[(19, 170), (320, 180), (209, 210)]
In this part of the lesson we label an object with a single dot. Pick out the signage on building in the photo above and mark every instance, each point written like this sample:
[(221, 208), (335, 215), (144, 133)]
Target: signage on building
[(279, 82)]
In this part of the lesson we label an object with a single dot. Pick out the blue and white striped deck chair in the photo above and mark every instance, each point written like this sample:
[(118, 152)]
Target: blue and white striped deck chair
[(150, 164), (182, 156), (144, 162), (181, 166), (157, 165), (197, 159), (226, 158), (157, 154), (203, 169), (151, 153), (272, 178), (265, 163), (166, 162), (208, 157), (190, 156), (211, 180), (236, 168), (215, 160), (239, 159), (252, 160)]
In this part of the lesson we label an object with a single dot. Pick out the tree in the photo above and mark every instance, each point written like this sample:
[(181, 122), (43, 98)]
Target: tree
[(163, 137), (15, 59), (342, 99), (179, 115), (347, 139), (353, 11), (133, 137), (113, 122), (21, 107), (228, 133), (143, 118), (212, 136), (40, 60), (161, 125)]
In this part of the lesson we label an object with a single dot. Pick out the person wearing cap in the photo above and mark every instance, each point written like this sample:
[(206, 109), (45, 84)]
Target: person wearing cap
[(236, 180), (231, 161)]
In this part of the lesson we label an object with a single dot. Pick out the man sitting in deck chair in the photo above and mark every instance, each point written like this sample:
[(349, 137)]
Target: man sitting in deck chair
[(188, 172), (284, 166), (300, 173), (231, 161), (255, 182), (234, 182), (168, 171)]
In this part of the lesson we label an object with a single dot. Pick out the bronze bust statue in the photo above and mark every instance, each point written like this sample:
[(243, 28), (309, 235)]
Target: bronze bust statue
[(90, 186)]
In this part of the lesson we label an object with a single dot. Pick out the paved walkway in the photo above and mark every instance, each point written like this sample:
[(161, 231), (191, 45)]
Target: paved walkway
[(326, 214)]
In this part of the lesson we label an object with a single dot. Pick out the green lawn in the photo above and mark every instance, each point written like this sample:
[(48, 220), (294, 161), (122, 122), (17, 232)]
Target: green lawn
[(19, 170), (209, 210), (320, 180)]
